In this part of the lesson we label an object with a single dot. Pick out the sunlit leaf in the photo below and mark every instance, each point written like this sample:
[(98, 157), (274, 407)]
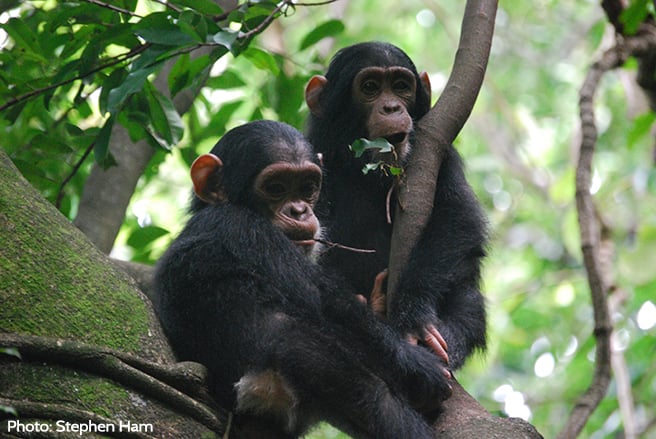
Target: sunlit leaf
[(640, 129), (359, 146), (634, 15), (371, 167), (262, 60), (23, 37), (143, 236), (225, 38), (328, 29)]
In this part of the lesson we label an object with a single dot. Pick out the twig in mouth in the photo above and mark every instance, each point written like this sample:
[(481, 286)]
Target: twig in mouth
[(343, 247)]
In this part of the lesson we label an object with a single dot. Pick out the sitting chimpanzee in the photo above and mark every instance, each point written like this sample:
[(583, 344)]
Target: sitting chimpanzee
[(373, 90), (283, 341)]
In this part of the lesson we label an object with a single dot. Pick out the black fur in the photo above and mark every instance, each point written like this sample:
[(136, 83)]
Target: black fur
[(441, 283), (234, 294)]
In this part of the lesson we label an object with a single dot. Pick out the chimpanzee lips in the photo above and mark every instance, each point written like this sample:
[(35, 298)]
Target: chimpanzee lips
[(302, 239)]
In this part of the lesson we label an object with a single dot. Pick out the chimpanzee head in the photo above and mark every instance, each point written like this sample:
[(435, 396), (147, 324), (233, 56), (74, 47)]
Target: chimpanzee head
[(370, 90), (268, 167)]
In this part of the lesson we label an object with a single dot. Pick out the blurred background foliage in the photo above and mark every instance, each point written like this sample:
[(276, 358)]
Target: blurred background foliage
[(520, 146)]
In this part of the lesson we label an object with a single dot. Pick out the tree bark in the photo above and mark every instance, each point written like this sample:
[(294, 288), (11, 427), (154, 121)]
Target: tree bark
[(91, 348), (438, 129)]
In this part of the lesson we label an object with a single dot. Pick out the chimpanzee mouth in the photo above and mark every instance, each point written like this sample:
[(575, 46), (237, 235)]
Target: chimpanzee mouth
[(396, 138), (302, 239)]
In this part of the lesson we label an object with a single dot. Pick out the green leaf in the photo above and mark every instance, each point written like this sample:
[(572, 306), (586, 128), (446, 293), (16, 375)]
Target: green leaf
[(640, 128), (225, 38), (228, 79), (101, 145), (133, 83), (179, 77), (160, 28), (359, 146), (23, 36), (206, 7), (634, 15), (262, 60), (114, 80), (371, 167), (327, 29), (9, 410), (187, 72), (164, 118), (145, 235), (12, 352)]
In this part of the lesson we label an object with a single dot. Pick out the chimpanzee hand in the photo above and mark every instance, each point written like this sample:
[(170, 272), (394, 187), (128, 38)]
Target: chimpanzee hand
[(425, 378), (432, 338)]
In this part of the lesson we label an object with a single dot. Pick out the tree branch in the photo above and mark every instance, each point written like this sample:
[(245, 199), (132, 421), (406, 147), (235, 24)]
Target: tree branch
[(438, 129), (112, 62), (590, 229)]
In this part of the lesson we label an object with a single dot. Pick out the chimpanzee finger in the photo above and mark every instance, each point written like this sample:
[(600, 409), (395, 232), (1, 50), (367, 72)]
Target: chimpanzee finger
[(378, 299), (436, 343)]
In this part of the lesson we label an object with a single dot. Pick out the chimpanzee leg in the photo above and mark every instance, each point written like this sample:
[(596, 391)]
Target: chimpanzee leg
[(331, 383)]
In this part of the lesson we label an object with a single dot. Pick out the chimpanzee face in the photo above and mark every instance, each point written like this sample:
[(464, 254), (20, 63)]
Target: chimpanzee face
[(386, 96), (287, 194), (267, 167)]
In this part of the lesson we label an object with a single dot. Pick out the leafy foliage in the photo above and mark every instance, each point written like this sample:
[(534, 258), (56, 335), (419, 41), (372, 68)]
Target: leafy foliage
[(72, 70), (381, 146)]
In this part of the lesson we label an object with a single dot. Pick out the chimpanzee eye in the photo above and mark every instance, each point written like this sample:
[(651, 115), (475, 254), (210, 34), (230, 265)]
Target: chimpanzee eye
[(401, 86), (370, 87), (309, 190), (275, 189)]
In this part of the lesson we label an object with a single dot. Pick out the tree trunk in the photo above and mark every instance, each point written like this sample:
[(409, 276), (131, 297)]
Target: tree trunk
[(91, 349), (107, 192)]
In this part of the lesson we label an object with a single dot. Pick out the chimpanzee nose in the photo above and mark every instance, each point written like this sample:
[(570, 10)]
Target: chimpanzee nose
[(297, 210), (391, 107)]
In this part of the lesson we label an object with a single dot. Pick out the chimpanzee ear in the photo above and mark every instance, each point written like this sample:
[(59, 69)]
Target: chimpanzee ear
[(425, 81), (312, 91), (206, 173)]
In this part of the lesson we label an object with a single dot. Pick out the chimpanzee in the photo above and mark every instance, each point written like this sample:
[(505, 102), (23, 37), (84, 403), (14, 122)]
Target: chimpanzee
[(373, 90), (282, 339)]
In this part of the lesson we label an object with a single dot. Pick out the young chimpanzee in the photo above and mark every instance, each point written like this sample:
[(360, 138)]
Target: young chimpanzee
[(373, 90), (283, 341)]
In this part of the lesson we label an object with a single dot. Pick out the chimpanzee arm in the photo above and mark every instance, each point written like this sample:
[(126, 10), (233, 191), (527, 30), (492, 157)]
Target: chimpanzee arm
[(411, 370), (440, 286)]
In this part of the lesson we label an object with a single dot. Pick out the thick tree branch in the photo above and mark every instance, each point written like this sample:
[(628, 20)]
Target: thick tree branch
[(438, 129)]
